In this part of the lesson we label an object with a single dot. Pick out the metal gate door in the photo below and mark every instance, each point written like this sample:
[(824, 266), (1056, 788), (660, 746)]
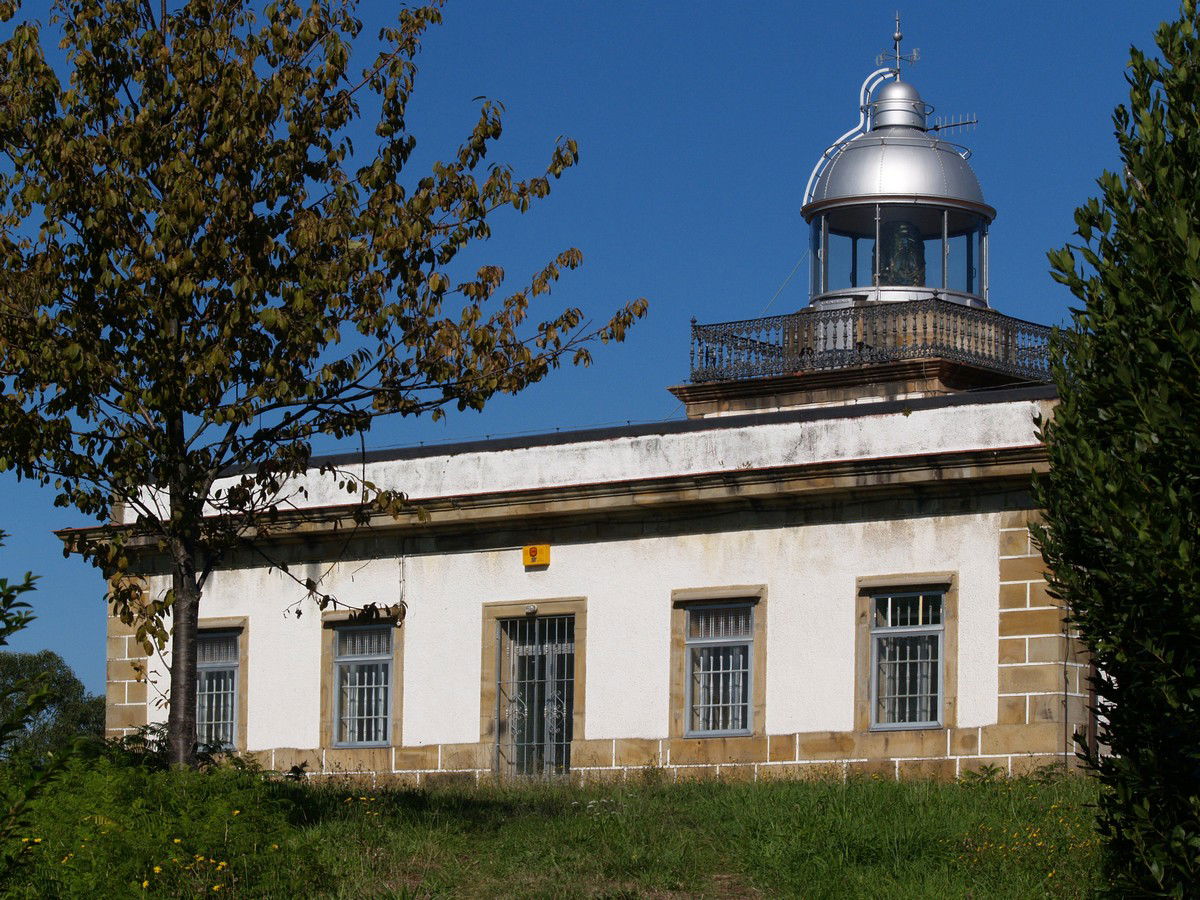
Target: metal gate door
[(535, 695)]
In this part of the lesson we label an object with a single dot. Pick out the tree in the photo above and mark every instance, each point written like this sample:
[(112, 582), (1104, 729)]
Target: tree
[(69, 713), (20, 703), (196, 278), (1122, 497)]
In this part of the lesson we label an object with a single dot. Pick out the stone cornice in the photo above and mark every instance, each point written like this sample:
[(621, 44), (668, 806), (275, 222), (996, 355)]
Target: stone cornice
[(928, 474), (907, 381)]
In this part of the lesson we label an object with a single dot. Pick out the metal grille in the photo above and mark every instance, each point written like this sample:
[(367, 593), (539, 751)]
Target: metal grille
[(364, 664), (217, 649), (881, 332), (364, 642), (907, 638), (216, 689), (536, 695), (719, 624), (719, 643)]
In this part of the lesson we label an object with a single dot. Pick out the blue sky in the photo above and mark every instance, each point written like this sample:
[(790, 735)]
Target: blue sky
[(698, 125)]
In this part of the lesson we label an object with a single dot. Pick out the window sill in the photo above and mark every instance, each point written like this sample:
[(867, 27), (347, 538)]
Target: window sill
[(915, 726)]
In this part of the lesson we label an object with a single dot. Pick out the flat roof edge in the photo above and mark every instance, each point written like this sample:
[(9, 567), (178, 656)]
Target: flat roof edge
[(1006, 394)]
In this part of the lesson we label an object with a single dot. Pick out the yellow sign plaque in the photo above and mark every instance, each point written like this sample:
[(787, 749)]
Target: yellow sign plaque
[(536, 554)]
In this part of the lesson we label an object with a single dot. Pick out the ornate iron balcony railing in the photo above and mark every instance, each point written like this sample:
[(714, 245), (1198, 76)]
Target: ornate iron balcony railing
[(839, 338)]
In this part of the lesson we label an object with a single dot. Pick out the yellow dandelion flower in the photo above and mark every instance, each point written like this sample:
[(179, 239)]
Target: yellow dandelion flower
[(178, 841), (274, 846), (37, 840), (157, 870), (216, 887), (237, 812), (145, 884)]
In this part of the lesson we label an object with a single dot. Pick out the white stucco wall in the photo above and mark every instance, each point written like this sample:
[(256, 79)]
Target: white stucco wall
[(283, 651), (810, 573)]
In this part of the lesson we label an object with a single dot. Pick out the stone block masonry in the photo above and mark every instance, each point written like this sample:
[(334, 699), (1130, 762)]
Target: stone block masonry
[(1042, 665), (939, 754), (125, 688)]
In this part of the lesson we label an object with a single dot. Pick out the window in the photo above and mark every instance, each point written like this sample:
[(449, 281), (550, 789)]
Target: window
[(719, 650), (217, 688), (907, 653), (362, 671), (363, 684)]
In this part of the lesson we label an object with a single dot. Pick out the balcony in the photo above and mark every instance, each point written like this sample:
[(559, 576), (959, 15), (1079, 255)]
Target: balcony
[(830, 339)]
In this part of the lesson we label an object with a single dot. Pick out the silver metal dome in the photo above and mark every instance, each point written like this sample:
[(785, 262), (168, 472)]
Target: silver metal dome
[(898, 103), (897, 161), (895, 214)]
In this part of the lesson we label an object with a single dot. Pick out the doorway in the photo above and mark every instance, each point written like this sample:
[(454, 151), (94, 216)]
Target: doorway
[(535, 696)]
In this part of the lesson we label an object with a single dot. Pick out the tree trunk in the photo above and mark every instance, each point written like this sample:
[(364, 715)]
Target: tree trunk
[(181, 718), (184, 544)]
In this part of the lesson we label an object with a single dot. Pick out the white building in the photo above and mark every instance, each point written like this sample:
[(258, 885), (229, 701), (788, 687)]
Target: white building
[(825, 567)]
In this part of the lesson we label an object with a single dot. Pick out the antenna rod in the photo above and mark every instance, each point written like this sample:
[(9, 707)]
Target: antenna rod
[(896, 39)]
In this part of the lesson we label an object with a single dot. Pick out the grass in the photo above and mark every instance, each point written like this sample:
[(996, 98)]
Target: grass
[(111, 829)]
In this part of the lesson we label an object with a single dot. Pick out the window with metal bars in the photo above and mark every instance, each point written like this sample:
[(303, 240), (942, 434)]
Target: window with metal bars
[(363, 685), (907, 631), (216, 688), (720, 645)]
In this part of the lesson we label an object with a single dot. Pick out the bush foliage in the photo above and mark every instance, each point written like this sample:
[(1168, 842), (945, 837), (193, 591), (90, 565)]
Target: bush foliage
[(1123, 494), (22, 701)]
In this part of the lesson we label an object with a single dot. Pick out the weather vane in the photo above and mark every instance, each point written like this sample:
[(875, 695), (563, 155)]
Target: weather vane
[(894, 56)]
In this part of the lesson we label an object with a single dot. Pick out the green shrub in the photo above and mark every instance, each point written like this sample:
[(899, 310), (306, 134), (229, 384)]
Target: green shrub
[(114, 826), (22, 701), (1122, 496)]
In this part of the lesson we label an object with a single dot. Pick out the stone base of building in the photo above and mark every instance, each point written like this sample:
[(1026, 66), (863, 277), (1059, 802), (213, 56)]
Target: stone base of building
[(939, 754)]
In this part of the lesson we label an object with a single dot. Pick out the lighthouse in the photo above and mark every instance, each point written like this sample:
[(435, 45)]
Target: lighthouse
[(898, 302), (895, 212)]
